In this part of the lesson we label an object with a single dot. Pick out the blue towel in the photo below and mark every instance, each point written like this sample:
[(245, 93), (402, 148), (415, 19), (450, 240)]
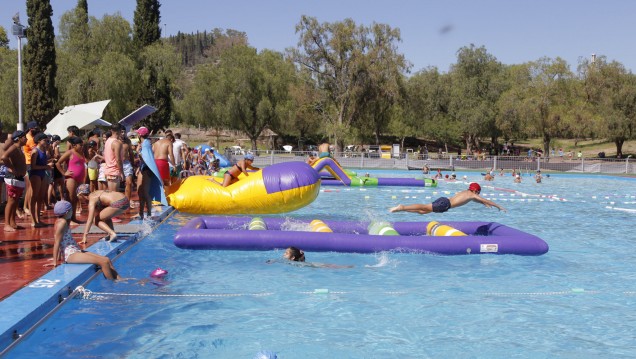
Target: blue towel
[(156, 184)]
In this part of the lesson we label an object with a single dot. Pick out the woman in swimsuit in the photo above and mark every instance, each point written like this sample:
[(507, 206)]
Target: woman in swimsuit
[(231, 176), (75, 172), (65, 246), (103, 205), (39, 182)]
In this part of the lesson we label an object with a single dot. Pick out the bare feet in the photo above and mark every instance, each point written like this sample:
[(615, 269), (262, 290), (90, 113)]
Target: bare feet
[(113, 237), (9, 228), (397, 208), (20, 214)]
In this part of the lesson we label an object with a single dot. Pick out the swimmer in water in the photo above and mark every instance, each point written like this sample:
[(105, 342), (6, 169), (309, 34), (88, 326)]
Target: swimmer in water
[(296, 257), (443, 204)]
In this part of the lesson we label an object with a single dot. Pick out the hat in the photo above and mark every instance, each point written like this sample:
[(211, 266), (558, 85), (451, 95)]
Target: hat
[(83, 189), (142, 131), (32, 124), (61, 207), (207, 150), (74, 140), (474, 187), (131, 134), (40, 136), (17, 134), (249, 156)]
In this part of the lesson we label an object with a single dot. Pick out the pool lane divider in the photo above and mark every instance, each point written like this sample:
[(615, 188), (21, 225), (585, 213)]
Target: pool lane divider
[(25, 309)]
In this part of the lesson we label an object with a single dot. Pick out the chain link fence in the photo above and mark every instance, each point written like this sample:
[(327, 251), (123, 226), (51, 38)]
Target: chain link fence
[(447, 162)]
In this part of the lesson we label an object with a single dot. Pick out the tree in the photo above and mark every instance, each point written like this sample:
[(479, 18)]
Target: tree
[(476, 88), (611, 91), (4, 40), (340, 56), (147, 29), (245, 91), (40, 92), (303, 113), (8, 87), (75, 69), (547, 99)]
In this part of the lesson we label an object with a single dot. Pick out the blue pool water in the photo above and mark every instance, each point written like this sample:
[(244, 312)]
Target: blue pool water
[(575, 301)]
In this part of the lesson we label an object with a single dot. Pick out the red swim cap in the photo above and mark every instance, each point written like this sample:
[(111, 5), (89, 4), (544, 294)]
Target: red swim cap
[(474, 187)]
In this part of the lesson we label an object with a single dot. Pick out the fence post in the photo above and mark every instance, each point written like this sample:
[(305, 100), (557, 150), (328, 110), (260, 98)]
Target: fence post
[(627, 165), (582, 164), (538, 163), (494, 163), (271, 158)]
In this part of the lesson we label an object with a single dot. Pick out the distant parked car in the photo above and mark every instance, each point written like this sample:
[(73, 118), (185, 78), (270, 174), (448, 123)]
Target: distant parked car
[(237, 150)]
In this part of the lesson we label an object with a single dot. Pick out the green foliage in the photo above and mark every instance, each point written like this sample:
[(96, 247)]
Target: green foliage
[(147, 29), (8, 88), (351, 64), (4, 39), (40, 92), (246, 91), (203, 47)]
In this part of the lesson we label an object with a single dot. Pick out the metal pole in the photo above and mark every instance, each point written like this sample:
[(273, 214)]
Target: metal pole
[(20, 122)]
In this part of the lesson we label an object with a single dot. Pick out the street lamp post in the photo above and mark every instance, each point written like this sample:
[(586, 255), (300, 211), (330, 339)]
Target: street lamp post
[(19, 31)]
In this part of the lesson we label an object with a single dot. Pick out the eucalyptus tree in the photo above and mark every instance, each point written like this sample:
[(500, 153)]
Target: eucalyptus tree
[(4, 40), (107, 69), (40, 67), (611, 90), (476, 87), (304, 113), (547, 99), (341, 57), (510, 113), (246, 91), (428, 107)]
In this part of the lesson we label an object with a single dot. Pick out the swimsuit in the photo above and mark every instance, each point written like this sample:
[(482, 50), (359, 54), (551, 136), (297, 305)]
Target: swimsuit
[(128, 168), (68, 245), (122, 203), (324, 154), (441, 205), (230, 173), (40, 160), (164, 168), (77, 164)]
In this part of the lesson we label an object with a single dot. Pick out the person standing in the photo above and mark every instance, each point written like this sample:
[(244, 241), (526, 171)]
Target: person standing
[(164, 157), (39, 182), (178, 150), (113, 158), (75, 162), (28, 148), (14, 160)]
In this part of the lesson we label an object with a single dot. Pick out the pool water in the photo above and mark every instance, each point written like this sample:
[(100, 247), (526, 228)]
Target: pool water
[(575, 301)]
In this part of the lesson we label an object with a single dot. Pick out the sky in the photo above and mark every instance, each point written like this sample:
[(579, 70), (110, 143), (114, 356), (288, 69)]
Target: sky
[(514, 31)]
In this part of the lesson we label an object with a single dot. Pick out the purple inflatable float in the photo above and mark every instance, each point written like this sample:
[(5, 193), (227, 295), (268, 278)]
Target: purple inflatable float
[(232, 233)]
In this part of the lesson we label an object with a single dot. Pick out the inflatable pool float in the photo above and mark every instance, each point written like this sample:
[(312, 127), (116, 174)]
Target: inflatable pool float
[(232, 233), (278, 188), (342, 179)]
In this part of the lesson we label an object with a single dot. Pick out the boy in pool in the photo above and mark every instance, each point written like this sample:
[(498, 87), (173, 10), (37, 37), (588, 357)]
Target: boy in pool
[(443, 204)]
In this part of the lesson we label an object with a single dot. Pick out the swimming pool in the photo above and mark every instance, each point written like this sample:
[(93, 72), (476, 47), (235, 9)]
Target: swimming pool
[(576, 300)]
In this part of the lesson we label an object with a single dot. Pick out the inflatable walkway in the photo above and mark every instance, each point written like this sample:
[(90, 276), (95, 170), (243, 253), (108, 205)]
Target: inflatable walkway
[(450, 238), (342, 179)]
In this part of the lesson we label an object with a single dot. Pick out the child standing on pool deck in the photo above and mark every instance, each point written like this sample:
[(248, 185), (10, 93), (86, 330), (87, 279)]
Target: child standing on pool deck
[(443, 204), (66, 246)]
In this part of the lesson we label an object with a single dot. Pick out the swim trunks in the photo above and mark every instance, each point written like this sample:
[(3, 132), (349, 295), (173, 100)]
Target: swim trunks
[(128, 169), (324, 154), (15, 185), (164, 168), (441, 205)]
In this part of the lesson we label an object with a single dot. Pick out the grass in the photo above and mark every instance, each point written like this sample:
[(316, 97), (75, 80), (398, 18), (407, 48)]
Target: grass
[(590, 148)]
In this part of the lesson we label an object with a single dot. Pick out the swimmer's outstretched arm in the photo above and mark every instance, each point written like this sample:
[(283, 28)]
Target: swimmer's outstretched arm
[(489, 204)]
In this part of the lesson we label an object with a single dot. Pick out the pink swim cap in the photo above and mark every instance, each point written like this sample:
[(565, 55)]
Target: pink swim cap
[(159, 273)]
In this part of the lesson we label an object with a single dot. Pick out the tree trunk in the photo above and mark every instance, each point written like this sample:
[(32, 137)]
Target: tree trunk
[(546, 144), (619, 147)]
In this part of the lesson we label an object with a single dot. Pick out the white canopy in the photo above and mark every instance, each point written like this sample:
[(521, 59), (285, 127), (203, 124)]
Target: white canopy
[(86, 115)]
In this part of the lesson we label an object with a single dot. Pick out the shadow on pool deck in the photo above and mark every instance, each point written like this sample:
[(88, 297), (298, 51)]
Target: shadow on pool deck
[(24, 253)]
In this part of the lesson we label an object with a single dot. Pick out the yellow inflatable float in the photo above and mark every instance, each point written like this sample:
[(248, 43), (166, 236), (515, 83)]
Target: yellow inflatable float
[(279, 188)]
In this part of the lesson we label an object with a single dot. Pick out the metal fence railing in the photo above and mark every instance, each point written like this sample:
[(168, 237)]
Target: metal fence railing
[(458, 163)]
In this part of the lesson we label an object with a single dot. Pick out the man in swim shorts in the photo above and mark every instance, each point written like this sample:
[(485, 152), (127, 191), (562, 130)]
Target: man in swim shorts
[(14, 160), (323, 150), (443, 204), (164, 156)]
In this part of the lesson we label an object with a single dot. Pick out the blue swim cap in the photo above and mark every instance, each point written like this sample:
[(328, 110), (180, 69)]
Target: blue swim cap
[(61, 207), (249, 156)]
